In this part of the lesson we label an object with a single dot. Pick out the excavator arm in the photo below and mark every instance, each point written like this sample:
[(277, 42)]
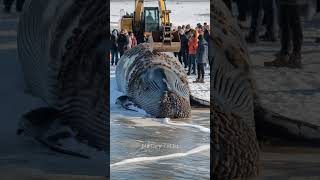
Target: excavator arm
[(164, 13), (138, 13)]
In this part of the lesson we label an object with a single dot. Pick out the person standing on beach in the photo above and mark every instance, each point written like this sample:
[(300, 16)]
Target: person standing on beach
[(291, 30), (123, 42), (8, 3), (202, 58), (206, 33), (183, 48), (263, 10), (193, 46), (243, 9), (133, 39), (114, 47)]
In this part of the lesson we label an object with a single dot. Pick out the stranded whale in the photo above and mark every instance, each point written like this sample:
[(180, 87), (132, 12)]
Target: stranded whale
[(155, 82)]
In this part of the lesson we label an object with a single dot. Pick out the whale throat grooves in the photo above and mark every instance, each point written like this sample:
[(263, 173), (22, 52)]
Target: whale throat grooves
[(62, 49), (234, 145), (155, 82)]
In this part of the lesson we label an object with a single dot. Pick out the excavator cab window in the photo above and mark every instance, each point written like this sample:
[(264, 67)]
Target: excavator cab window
[(151, 18)]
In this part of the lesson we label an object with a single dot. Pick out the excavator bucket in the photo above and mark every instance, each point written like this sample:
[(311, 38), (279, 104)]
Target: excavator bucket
[(171, 44)]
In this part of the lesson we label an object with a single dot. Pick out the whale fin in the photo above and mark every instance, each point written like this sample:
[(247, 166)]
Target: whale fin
[(283, 127), (43, 126), (125, 103), (197, 102)]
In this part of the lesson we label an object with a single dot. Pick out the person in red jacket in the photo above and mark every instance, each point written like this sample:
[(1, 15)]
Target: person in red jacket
[(193, 46), (133, 40)]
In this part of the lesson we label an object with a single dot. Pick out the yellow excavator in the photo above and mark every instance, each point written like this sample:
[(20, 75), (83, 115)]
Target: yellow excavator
[(152, 24)]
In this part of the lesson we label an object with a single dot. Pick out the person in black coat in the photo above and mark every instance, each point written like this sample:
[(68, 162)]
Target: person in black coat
[(114, 47), (291, 32), (183, 53), (206, 33), (123, 42), (243, 6), (202, 58), (262, 10)]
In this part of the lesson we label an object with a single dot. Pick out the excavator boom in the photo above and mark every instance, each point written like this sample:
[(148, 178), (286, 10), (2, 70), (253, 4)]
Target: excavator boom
[(167, 40), (153, 23), (138, 13), (164, 13)]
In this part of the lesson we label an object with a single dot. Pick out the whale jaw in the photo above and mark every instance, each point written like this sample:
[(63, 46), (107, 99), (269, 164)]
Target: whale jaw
[(174, 106)]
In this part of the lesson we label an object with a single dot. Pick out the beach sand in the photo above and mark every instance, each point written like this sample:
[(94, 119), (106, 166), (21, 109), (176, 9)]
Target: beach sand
[(294, 93)]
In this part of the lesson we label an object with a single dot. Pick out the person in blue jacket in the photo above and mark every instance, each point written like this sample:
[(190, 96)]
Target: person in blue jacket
[(202, 58)]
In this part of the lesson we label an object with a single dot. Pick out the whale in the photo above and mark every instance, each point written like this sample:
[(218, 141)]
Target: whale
[(62, 47), (155, 82)]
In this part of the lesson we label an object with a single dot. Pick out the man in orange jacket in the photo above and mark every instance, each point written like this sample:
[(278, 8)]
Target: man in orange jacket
[(193, 46)]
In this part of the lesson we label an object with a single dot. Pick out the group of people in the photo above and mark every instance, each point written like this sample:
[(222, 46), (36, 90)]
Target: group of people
[(193, 54), (281, 18), (120, 42), (8, 3)]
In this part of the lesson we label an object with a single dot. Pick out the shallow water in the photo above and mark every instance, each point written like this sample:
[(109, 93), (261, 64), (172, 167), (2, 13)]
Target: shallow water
[(147, 148)]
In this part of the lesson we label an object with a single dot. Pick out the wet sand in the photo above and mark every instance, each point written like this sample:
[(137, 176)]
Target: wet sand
[(13, 173), (292, 163), (294, 93)]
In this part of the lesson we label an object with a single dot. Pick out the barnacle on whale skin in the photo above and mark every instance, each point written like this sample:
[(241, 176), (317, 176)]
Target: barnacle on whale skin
[(154, 82), (235, 150)]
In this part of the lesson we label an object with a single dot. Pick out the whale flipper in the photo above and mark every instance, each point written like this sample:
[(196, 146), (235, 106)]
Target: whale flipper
[(197, 102), (126, 103), (43, 126)]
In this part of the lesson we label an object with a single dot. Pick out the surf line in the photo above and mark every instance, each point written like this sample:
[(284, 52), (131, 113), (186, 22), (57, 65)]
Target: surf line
[(170, 156), (201, 128), (156, 158)]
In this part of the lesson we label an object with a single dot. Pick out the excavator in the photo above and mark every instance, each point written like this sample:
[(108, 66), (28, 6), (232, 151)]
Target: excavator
[(152, 24)]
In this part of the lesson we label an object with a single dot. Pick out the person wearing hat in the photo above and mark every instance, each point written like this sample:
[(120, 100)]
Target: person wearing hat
[(188, 31)]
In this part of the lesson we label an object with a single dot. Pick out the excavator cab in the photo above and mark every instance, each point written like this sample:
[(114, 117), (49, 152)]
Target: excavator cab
[(153, 24), (162, 38), (151, 20)]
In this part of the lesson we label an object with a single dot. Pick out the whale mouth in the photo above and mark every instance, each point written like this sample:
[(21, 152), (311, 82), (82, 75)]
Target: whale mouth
[(173, 94), (161, 93), (174, 106)]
